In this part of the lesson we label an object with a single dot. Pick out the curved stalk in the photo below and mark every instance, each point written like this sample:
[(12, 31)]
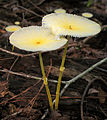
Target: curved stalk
[(60, 76), (45, 81)]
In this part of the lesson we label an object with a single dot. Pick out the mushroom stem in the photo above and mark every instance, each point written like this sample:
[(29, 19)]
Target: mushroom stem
[(45, 82), (12, 48), (60, 76)]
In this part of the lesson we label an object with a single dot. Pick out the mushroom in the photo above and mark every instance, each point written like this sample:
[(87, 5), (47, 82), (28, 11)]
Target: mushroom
[(60, 10), (12, 28), (68, 25), (35, 38), (87, 15), (17, 23)]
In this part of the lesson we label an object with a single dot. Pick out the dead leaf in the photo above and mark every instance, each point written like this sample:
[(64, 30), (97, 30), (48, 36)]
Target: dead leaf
[(55, 115), (102, 96), (92, 90)]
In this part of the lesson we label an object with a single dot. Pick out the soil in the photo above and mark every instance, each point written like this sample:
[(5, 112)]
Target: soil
[(24, 98)]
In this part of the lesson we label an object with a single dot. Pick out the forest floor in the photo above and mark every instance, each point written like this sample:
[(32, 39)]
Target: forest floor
[(22, 97)]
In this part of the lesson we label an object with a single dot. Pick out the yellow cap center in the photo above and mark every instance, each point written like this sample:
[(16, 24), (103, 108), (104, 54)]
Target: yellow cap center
[(37, 42)]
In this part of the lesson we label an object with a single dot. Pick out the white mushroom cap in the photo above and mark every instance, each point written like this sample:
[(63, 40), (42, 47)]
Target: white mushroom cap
[(60, 10), (12, 28), (87, 15), (16, 22), (69, 24), (35, 38)]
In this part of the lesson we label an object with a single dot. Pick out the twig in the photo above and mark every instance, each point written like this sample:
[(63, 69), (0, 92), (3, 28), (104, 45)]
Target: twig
[(104, 26), (14, 114), (12, 67), (30, 11), (85, 91), (18, 54), (20, 74), (4, 22), (49, 70), (82, 74), (101, 69), (28, 76), (103, 112), (87, 38), (12, 53), (6, 58), (83, 96), (9, 4), (40, 2), (45, 114), (20, 93), (37, 7), (31, 54), (34, 99)]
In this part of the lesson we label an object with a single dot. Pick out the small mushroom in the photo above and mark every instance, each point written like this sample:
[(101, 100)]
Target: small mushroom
[(60, 10), (87, 15), (17, 23), (12, 28)]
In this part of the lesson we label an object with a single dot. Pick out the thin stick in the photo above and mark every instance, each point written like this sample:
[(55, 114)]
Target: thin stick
[(8, 58), (12, 115), (37, 7), (85, 91), (82, 74), (5, 22), (4, 102), (30, 11), (12, 67), (45, 82), (60, 76), (34, 99), (29, 76), (18, 54), (83, 96), (12, 53), (20, 74)]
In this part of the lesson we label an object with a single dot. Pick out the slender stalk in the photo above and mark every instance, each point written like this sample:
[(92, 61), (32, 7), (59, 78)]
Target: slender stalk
[(45, 82), (60, 76), (12, 48)]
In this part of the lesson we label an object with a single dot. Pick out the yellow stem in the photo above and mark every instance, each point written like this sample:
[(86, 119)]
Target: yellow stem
[(12, 48), (45, 82), (60, 76)]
